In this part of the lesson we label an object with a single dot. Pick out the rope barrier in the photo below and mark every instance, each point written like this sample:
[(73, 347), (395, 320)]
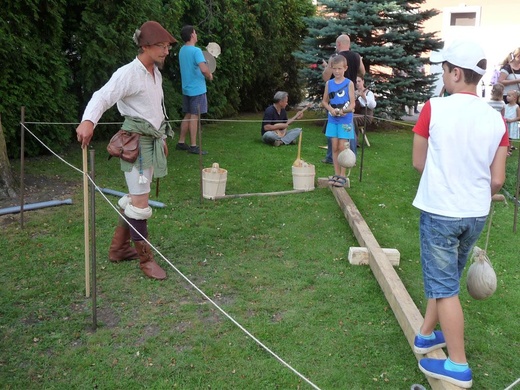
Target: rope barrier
[(195, 287), (381, 119), (116, 209), (513, 384)]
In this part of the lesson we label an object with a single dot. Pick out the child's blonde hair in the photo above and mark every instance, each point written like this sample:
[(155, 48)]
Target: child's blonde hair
[(338, 59), (497, 92), (515, 94)]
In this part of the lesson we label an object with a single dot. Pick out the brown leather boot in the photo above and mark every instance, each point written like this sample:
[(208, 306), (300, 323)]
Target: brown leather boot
[(120, 248), (147, 264)]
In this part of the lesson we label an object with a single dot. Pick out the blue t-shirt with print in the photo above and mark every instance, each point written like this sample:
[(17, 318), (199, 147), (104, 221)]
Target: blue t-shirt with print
[(338, 97)]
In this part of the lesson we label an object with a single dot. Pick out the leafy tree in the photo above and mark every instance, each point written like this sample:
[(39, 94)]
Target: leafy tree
[(35, 74), (257, 38), (55, 54), (390, 38), (279, 32), (7, 184), (100, 41)]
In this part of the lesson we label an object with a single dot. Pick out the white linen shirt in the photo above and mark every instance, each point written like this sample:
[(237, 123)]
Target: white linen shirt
[(135, 91), (370, 101)]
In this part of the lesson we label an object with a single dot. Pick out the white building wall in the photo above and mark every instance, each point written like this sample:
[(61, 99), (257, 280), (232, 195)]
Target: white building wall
[(497, 28)]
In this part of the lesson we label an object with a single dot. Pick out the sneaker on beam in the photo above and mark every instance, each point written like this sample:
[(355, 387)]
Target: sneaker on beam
[(435, 369), (423, 346)]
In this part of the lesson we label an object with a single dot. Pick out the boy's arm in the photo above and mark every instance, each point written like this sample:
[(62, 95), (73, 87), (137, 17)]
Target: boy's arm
[(498, 170), (351, 98), (325, 100), (420, 139), (420, 150)]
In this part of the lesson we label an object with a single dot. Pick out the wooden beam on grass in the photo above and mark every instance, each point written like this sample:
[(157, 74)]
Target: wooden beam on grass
[(405, 310)]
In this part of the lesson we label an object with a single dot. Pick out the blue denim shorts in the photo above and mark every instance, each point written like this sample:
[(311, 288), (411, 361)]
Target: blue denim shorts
[(446, 244), (195, 104)]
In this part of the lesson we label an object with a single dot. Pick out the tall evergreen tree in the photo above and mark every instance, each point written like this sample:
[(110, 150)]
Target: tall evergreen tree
[(389, 36)]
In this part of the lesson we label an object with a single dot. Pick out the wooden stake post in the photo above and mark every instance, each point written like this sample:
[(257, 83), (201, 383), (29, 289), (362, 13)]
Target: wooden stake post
[(86, 225)]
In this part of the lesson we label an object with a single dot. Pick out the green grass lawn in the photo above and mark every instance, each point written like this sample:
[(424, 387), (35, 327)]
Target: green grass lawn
[(276, 264)]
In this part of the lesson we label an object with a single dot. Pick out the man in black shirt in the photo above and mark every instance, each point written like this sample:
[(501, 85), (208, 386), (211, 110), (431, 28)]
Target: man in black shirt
[(275, 122)]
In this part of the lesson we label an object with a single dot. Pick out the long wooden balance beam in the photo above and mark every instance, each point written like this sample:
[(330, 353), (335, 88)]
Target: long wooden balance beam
[(405, 310)]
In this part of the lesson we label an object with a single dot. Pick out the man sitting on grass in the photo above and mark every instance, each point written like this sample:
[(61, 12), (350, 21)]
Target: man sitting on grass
[(275, 123)]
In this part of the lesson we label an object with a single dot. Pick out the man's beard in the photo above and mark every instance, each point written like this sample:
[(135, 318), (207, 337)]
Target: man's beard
[(160, 64)]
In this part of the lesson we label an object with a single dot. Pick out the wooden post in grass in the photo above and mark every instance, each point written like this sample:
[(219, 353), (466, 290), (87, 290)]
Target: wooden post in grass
[(22, 163), (201, 167), (404, 308), (93, 238), (85, 223)]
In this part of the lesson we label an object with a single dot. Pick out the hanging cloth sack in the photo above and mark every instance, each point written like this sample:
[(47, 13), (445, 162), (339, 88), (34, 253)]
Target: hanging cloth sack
[(481, 280)]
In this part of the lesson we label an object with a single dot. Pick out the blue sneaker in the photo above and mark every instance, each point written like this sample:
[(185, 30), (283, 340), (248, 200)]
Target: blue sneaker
[(435, 369), (423, 346)]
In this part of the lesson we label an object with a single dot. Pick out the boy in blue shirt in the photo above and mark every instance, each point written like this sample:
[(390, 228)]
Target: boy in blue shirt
[(339, 100)]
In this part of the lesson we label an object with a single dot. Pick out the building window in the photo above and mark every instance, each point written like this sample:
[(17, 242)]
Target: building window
[(463, 19)]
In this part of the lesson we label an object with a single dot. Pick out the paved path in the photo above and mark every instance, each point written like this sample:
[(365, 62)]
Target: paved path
[(414, 117)]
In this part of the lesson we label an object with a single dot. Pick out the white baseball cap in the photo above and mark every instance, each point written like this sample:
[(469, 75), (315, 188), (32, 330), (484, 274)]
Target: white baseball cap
[(462, 53)]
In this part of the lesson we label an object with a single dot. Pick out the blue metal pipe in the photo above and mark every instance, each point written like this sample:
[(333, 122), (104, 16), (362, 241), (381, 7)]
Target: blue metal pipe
[(34, 206), (121, 194)]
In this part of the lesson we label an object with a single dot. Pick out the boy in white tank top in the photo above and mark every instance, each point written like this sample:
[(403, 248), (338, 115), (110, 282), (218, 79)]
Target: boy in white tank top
[(460, 149)]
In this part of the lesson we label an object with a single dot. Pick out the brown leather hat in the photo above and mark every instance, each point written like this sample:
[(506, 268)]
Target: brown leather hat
[(151, 33)]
